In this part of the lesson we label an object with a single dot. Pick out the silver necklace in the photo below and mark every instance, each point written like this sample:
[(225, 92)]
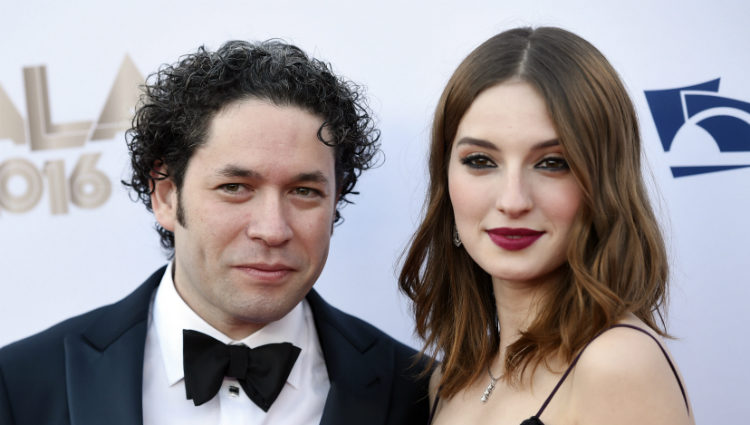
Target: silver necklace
[(490, 387)]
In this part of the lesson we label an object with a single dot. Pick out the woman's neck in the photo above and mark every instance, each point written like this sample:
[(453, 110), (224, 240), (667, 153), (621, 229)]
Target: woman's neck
[(518, 305)]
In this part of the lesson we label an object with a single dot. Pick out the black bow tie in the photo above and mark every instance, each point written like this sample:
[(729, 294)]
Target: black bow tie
[(261, 371)]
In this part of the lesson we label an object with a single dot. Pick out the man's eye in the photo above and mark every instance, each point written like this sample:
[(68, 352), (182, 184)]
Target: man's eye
[(306, 191), (553, 164), (478, 161), (231, 187)]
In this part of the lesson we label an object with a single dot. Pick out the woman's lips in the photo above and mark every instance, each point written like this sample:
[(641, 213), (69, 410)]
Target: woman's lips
[(513, 239)]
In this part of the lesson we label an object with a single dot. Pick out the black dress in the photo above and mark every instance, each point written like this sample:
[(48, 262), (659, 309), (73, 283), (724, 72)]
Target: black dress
[(534, 420)]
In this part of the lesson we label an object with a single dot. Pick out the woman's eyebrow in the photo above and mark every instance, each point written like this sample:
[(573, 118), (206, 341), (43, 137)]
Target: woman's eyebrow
[(491, 146), (477, 142)]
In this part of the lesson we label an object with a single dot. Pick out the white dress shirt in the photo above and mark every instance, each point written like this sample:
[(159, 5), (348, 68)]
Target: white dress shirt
[(301, 401)]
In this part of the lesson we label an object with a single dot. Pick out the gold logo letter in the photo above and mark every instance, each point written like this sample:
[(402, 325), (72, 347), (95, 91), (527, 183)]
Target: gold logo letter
[(118, 110), (11, 122), (44, 134)]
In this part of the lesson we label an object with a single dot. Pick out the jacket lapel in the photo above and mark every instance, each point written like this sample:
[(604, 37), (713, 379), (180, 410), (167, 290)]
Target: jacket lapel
[(104, 364), (360, 367)]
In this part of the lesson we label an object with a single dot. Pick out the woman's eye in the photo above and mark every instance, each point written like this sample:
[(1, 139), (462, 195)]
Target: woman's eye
[(478, 161), (553, 164)]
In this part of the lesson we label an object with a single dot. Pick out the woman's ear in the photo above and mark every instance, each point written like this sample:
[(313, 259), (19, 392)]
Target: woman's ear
[(164, 200)]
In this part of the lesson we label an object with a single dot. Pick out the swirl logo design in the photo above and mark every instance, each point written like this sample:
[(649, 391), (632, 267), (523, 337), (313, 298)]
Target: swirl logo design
[(702, 131)]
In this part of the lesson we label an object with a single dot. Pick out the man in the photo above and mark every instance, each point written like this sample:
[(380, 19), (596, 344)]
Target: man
[(243, 155)]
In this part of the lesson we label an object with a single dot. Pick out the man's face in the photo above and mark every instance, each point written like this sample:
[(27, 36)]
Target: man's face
[(258, 202)]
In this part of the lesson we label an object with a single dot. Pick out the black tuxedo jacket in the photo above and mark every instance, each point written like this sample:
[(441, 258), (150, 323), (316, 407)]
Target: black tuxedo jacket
[(88, 370)]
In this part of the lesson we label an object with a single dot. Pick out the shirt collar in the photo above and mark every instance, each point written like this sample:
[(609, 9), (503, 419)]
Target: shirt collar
[(171, 315)]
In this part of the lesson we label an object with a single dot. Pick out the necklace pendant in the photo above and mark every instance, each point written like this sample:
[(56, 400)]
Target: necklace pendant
[(488, 391)]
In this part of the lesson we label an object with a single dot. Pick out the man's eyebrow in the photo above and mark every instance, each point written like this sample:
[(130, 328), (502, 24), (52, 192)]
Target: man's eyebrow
[(491, 146), (312, 177), (241, 172), (237, 171)]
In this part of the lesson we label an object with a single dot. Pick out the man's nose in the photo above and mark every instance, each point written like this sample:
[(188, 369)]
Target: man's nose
[(269, 222)]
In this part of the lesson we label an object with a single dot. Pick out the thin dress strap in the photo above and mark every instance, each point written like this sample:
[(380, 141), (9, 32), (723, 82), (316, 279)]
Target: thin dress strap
[(434, 407), (578, 356)]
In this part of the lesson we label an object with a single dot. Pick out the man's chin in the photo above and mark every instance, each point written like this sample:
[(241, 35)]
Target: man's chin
[(264, 311)]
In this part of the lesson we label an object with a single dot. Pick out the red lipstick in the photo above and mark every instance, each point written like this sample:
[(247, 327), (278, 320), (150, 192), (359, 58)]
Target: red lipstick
[(513, 239)]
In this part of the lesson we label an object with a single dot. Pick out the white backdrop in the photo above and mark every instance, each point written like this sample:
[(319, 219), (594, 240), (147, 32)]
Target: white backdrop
[(55, 265)]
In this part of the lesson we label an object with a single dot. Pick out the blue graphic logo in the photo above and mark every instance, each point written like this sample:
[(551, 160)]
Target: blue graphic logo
[(727, 121)]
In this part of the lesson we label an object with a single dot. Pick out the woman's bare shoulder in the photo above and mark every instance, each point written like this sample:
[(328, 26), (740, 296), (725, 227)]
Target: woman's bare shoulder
[(623, 376)]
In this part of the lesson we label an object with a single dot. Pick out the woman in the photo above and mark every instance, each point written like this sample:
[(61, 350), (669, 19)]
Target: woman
[(539, 272)]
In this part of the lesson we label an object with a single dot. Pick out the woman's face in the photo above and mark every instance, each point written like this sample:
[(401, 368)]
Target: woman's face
[(514, 197)]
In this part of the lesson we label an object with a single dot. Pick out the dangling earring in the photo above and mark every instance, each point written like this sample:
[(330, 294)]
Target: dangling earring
[(456, 237)]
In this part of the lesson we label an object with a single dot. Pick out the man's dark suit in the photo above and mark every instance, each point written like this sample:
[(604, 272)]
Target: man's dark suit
[(89, 369)]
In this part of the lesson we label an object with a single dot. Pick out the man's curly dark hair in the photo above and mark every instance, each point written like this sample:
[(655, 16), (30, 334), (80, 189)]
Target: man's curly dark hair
[(180, 100)]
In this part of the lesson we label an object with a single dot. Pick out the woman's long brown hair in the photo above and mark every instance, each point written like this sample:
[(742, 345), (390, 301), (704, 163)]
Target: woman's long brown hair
[(616, 261)]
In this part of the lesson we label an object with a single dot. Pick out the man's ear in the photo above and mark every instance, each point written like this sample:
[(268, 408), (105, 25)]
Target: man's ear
[(164, 201), (335, 208)]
